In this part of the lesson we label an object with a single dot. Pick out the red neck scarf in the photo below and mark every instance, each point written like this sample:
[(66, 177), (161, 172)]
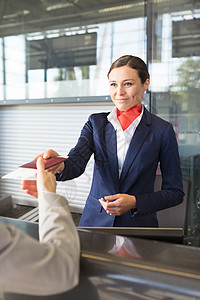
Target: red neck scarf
[(126, 117)]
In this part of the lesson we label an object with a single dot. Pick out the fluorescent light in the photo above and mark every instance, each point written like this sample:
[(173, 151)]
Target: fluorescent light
[(58, 6), (114, 8), (19, 13)]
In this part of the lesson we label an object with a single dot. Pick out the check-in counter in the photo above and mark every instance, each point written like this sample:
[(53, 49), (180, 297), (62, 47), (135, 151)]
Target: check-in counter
[(126, 267)]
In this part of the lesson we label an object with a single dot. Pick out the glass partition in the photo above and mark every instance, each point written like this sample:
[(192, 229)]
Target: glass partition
[(61, 49), (67, 58), (14, 48), (175, 87), (1, 70)]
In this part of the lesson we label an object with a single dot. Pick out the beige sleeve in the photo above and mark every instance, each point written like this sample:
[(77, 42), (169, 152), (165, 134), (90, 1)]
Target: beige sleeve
[(47, 267)]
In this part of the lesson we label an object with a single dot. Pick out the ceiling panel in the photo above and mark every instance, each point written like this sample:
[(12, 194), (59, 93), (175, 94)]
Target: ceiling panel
[(27, 16)]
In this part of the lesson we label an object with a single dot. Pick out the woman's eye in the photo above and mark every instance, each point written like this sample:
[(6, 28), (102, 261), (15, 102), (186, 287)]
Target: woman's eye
[(113, 84), (128, 84)]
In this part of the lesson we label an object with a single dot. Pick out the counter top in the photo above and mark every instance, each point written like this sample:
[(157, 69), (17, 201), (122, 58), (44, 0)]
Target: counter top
[(117, 266)]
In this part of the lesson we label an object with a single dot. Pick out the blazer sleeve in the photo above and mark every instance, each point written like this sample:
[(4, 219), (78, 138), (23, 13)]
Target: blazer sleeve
[(172, 187), (47, 267), (79, 155)]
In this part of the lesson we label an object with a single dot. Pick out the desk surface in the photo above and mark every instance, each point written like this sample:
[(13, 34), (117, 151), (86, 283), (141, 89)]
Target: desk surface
[(122, 267)]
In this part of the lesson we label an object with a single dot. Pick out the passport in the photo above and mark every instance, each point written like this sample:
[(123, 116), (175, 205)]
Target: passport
[(50, 162), (28, 170)]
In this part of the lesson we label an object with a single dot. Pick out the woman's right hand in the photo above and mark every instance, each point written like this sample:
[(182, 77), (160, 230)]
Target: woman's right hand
[(30, 186), (48, 154)]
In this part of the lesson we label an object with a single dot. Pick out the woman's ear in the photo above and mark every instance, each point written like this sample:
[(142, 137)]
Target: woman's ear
[(146, 84)]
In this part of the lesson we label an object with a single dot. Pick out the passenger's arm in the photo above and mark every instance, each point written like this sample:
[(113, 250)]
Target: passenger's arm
[(48, 267)]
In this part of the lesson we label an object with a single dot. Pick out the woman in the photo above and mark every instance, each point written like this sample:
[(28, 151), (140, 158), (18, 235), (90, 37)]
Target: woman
[(128, 144)]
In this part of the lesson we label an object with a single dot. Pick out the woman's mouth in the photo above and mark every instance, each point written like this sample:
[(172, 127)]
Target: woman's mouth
[(121, 100)]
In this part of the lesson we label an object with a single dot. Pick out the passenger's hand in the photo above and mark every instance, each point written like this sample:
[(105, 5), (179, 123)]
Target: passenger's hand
[(30, 186), (45, 180), (118, 204)]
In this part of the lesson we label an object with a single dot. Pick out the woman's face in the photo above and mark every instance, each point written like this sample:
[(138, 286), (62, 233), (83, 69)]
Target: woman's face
[(126, 88)]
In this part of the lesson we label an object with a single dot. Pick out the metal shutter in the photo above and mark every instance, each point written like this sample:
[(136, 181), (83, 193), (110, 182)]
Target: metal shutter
[(27, 130)]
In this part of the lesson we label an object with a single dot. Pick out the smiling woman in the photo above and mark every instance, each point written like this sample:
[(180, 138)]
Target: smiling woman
[(122, 191), (126, 88)]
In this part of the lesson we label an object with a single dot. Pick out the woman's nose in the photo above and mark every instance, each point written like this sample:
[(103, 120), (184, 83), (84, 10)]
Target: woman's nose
[(120, 90)]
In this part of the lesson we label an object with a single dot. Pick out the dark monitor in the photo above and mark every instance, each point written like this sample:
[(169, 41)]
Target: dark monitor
[(62, 52), (185, 39)]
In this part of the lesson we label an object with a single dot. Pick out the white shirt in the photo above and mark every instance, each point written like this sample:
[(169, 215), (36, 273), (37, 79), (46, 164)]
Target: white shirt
[(123, 137)]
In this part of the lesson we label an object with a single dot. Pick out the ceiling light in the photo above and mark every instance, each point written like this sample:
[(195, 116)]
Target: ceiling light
[(58, 6), (114, 8), (17, 14)]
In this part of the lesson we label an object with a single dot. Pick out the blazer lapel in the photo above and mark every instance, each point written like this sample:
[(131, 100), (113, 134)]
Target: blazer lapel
[(111, 149), (136, 144)]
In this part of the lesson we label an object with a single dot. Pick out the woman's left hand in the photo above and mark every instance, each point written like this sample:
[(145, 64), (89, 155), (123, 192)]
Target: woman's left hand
[(118, 204)]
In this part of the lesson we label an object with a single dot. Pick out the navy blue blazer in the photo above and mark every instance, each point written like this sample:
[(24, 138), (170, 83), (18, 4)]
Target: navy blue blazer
[(154, 142)]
